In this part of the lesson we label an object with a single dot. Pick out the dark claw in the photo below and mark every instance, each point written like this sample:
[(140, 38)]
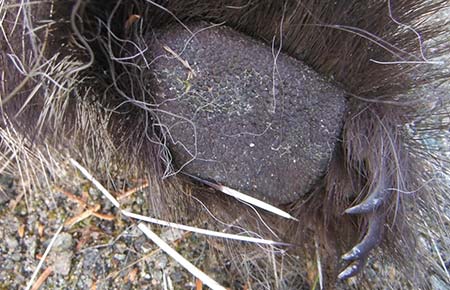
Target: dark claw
[(370, 241), (372, 206), (352, 269), (376, 198), (358, 255), (367, 206)]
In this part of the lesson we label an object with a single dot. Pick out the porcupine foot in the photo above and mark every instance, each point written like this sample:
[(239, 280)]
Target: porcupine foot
[(373, 208), (217, 155)]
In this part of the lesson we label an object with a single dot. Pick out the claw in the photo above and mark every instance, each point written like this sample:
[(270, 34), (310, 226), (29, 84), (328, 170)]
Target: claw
[(358, 255), (371, 206), (352, 269), (370, 241), (374, 200)]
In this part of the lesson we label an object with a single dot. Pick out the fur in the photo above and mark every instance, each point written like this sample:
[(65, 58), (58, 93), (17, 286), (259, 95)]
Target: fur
[(74, 76)]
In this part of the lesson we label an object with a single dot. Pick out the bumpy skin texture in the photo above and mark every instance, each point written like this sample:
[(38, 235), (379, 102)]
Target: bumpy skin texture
[(89, 92), (223, 121)]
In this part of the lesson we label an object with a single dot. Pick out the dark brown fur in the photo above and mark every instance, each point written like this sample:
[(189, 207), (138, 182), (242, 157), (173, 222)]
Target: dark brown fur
[(338, 39)]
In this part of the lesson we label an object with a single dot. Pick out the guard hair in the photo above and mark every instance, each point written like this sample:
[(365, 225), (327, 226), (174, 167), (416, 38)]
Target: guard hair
[(74, 85)]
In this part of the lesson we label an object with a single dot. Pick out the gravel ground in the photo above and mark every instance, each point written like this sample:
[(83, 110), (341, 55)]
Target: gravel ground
[(97, 252)]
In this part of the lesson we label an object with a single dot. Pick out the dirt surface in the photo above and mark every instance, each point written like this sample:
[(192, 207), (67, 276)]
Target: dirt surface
[(102, 251)]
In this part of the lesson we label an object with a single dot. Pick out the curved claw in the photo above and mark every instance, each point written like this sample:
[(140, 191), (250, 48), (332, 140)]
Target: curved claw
[(374, 201), (367, 206), (358, 255), (352, 269), (370, 241), (371, 206)]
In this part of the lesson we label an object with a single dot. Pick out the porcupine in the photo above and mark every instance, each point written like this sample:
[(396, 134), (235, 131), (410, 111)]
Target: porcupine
[(307, 105)]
